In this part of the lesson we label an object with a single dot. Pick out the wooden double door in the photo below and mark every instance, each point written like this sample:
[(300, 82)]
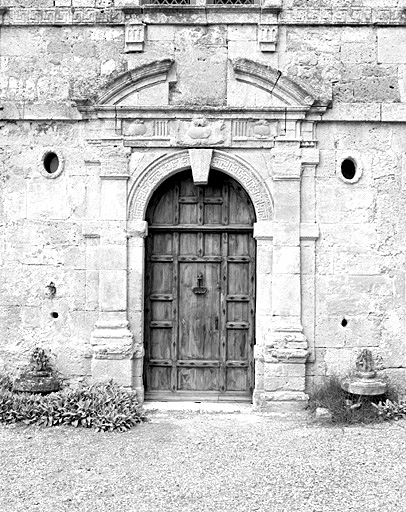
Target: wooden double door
[(200, 291)]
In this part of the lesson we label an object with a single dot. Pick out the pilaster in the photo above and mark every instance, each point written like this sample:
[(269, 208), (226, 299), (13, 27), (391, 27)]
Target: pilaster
[(284, 349), (111, 339)]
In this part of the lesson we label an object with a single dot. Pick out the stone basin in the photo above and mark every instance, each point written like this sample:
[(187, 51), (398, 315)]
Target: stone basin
[(36, 382), (364, 386)]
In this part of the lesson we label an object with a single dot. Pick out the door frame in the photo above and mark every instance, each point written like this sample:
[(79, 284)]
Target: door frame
[(140, 194)]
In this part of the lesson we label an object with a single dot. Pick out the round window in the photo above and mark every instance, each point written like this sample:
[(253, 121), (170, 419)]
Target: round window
[(51, 164), (349, 167)]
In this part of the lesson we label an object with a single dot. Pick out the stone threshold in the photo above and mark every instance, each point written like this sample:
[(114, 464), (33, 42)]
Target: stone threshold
[(162, 408)]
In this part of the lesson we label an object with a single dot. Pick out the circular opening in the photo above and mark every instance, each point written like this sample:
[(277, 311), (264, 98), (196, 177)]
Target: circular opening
[(51, 163), (344, 322), (348, 169), (54, 314)]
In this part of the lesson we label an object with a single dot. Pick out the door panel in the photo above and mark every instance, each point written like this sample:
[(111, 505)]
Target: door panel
[(200, 291), (198, 333)]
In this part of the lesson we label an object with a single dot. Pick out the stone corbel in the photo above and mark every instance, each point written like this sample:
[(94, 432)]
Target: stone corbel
[(134, 37), (268, 37)]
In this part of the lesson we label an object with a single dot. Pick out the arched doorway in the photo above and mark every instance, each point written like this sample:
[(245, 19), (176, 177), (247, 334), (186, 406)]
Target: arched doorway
[(199, 291)]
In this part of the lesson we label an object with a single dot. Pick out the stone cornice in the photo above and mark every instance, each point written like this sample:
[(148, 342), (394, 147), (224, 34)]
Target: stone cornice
[(207, 14), (265, 231)]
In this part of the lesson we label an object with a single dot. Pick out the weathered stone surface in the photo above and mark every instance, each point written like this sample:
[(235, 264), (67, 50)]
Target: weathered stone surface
[(328, 250)]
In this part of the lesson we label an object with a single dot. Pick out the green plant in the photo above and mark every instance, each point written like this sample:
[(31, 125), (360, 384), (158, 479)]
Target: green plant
[(346, 408), (6, 382), (389, 410), (103, 406)]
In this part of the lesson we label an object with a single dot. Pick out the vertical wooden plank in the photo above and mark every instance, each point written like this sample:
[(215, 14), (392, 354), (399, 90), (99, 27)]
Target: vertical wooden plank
[(226, 201), (147, 313), (251, 330), (223, 313), (175, 288), (200, 206), (176, 213)]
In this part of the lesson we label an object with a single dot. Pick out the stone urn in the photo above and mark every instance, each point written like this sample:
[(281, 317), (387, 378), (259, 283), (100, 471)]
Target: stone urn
[(38, 376), (364, 381)]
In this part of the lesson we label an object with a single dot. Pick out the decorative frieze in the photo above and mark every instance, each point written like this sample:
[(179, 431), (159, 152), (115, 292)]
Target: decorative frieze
[(204, 131), (345, 16), (111, 16), (64, 16)]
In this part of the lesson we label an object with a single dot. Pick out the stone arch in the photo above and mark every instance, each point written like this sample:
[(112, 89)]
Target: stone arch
[(167, 165)]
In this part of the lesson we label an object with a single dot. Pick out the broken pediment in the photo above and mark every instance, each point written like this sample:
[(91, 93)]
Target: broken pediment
[(141, 86), (271, 87), (254, 85)]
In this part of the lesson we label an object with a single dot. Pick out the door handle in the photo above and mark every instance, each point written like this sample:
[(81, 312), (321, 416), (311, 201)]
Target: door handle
[(199, 289)]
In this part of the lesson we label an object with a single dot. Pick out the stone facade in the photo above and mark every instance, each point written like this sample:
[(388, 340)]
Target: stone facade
[(102, 100)]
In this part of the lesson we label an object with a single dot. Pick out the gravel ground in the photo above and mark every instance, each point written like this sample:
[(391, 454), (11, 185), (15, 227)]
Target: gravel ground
[(185, 461)]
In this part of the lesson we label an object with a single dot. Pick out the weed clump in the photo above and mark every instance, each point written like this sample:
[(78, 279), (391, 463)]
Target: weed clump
[(346, 408)]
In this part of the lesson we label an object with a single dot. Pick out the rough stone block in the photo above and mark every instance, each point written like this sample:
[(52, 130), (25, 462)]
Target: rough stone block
[(113, 257), (120, 370), (352, 295), (391, 45), (286, 260), (113, 290), (160, 32), (286, 233), (264, 257), (242, 32), (47, 199), (113, 199), (286, 295)]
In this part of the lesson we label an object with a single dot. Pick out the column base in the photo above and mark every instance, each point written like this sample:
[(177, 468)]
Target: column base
[(280, 402), (113, 352), (283, 370)]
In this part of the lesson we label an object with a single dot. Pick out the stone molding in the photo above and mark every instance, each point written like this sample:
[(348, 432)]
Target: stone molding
[(166, 166)]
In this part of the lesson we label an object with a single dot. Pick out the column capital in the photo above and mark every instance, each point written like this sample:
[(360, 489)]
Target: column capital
[(137, 229)]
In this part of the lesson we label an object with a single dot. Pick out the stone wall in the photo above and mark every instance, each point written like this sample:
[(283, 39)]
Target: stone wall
[(353, 56)]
